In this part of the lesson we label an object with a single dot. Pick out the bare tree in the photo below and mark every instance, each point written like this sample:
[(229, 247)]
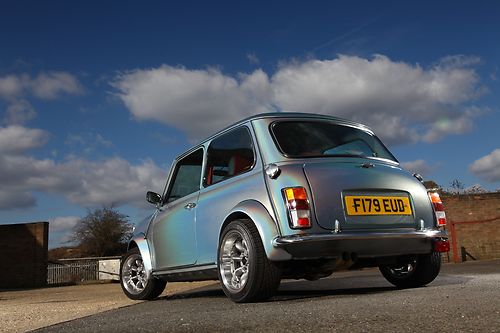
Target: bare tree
[(475, 189), (432, 185), (456, 186), (103, 232)]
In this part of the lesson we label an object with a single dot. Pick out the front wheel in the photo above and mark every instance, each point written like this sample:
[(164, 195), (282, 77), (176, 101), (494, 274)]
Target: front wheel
[(134, 281), (245, 273), (415, 272)]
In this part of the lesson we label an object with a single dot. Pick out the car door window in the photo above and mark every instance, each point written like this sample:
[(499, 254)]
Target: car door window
[(229, 155), (187, 176)]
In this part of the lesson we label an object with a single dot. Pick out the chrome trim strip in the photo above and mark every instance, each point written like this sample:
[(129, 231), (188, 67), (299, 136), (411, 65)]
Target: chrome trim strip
[(186, 269), (286, 240)]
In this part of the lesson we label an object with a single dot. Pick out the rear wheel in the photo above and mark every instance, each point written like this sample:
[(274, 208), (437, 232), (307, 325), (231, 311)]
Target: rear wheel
[(134, 281), (245, 273), (417, 271)]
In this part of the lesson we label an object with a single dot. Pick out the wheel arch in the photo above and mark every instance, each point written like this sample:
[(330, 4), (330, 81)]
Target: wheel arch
[(265, 224), (141, 243)]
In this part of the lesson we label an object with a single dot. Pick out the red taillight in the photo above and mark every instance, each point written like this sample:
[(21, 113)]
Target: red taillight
[(441, 245), (438, 208), (297, 205)]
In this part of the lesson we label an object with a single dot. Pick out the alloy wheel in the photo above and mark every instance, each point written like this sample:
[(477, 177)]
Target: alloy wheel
[(234, 267), (134, 275)]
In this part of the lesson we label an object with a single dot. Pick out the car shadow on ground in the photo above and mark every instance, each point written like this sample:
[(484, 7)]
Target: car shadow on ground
[(290, 295), (281, 295), (290, 290)]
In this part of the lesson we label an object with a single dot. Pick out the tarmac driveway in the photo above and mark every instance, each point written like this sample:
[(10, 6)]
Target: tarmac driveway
[(463, 298)]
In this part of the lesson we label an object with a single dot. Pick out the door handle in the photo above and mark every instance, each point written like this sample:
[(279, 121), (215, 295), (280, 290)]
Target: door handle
[(190, 206)]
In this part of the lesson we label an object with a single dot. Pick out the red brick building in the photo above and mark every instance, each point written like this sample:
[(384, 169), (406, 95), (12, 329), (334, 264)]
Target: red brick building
[(473, 224)]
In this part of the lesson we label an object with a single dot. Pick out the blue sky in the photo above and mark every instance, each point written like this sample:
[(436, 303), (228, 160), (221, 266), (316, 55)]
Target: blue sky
[(97, 98)]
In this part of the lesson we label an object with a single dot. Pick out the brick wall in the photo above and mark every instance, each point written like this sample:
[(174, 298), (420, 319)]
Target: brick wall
[(24, 249), (476, 223)]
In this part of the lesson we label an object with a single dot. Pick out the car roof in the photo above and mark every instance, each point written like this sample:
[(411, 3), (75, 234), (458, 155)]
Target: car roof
[(289, 114), (286, 114), (277, 115)]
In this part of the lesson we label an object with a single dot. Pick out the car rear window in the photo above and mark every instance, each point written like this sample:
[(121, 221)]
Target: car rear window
[(299, 139)]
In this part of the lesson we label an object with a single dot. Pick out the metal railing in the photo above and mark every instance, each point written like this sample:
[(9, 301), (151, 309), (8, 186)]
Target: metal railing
[(78, 270)]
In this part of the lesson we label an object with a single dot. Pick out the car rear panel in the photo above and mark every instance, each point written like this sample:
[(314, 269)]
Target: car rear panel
[(366, 194)]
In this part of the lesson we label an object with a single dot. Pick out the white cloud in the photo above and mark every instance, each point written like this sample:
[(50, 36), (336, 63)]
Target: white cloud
[(196, 101), (19, 112), (458, 61), (46, 85), (63, 223), (445, 126), (9, 200), (87, 183), (113, 181), (10, 86), (418, 166), (99, 139), (487, 167), (51, 85), (401, 101), (253, 59), (87, 143), (18, 139), (16, 88)]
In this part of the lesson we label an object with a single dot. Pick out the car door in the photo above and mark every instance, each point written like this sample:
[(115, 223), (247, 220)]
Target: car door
[(174, 234), (230, 178)]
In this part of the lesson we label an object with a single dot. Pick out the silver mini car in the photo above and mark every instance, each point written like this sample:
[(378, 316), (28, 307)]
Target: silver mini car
[(286, 195)]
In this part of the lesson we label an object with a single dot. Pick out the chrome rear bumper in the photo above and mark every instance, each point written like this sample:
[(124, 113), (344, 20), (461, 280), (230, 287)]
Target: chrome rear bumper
[(361, 244)]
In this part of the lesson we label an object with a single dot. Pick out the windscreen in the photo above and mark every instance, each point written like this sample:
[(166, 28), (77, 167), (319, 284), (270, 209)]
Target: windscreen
[(323, 138)]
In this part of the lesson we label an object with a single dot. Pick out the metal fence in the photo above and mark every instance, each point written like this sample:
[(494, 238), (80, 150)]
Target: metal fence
[(74, 270)]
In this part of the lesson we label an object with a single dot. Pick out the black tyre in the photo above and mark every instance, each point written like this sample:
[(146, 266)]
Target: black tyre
[(133, 278), (245, 273), (416, 272)]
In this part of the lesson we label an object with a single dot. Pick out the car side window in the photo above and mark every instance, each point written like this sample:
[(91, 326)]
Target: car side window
[(187, 176), (229, 155)]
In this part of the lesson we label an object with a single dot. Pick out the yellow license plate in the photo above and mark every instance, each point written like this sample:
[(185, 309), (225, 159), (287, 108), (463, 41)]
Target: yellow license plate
[(377, 205)]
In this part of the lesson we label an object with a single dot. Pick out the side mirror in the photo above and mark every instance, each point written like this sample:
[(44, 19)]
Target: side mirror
[(153, 197)]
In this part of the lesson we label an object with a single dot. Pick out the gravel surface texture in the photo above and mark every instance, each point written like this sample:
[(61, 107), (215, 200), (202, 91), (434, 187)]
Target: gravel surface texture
[(24, 310)]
